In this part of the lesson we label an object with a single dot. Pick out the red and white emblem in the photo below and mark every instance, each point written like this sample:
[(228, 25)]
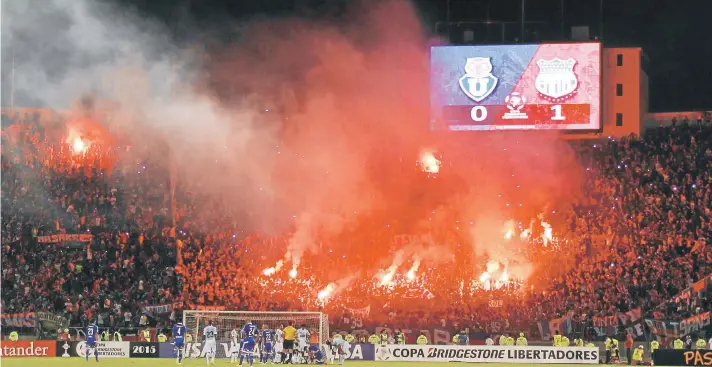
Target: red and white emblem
[(556, 81)]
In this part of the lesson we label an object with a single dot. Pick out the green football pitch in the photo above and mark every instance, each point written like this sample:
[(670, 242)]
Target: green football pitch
[(73, 362)]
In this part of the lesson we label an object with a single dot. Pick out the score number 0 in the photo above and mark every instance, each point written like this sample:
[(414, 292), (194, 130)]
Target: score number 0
[(479, 113)]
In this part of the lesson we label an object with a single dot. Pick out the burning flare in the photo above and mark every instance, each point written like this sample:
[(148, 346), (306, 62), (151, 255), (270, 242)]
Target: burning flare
[(274, 269), (387, 279), (548, 235), (325, 293), (413, 269), (429, 163), (493, 277)]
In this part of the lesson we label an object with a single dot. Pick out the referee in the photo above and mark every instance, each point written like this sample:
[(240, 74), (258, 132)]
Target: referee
[(290, 333)]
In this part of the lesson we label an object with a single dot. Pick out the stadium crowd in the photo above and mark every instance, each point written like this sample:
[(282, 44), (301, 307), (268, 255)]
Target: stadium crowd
[(637, 239), (649, 203), (124, 259)]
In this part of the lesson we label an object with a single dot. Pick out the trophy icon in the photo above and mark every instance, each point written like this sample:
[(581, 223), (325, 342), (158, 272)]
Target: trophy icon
[(515, 102), (66, 349)]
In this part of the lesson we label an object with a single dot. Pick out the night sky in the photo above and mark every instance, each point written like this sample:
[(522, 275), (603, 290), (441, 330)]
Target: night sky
[(674, 34)]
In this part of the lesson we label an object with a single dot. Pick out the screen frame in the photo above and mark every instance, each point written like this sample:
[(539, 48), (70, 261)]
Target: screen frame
[(598, 130)]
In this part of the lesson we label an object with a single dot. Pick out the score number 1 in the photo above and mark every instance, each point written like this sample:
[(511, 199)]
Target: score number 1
[(479, 113), (558, 115)]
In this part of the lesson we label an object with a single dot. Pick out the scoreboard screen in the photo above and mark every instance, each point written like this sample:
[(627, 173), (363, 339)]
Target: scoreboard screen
[(516, 87)]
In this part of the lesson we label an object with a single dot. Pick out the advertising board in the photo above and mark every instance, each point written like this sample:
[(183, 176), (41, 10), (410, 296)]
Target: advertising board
[(516, 87), (483, 354), (672, 357), (143, 350), (105, 349), (356, 352), (28, 348)]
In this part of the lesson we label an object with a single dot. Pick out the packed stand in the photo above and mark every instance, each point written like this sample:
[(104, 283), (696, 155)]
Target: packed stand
[(636, 240), (124, 259), (647, 222)]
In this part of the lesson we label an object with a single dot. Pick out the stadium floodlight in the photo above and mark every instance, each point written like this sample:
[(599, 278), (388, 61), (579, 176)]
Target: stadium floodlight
[(226, 321)]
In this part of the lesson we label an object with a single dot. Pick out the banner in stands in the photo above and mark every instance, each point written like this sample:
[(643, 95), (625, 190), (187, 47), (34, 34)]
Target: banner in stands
[(550, 327), (27, 319), (703, 285), (209, 308), (144, 350), (676, 329), (56, 238), (105, 349), (631, 322), (28, 348), (672, 357), (158, 309), (357, 352), (483, 354)]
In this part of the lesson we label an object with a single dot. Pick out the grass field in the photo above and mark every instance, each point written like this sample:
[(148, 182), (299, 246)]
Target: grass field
[(73, 362)]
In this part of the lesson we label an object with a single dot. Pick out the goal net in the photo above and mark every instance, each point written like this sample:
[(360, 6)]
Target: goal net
[(226, 321)]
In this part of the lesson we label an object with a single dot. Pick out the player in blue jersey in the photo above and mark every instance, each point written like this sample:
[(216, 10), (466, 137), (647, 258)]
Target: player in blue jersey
[(316, 356), (249, 333), (268, 339), (92, 337), (179, 340)]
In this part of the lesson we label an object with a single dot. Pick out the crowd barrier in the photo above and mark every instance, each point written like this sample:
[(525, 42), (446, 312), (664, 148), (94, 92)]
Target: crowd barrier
[(489, 353)]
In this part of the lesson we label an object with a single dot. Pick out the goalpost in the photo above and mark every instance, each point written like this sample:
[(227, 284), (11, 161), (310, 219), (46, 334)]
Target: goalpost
[(226, 321)]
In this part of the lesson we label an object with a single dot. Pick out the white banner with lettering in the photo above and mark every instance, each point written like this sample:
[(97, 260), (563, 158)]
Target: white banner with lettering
[(486, 353)]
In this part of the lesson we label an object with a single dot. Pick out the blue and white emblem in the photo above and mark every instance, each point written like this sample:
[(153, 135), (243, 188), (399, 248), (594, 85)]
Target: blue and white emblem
[(478, 81)]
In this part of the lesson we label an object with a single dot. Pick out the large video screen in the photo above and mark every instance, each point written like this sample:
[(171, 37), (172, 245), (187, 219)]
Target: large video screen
[(516, 87)]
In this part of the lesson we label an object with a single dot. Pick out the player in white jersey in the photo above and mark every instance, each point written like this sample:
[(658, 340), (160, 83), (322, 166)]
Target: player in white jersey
[(278, 345), (342, 347), (210, 333), (234, 346), (303, 338)]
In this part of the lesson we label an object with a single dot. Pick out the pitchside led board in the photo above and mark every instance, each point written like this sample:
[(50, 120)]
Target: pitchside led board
[(516, 87)]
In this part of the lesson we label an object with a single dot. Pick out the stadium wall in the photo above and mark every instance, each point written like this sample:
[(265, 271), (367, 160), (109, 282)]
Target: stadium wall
[(624, 90)]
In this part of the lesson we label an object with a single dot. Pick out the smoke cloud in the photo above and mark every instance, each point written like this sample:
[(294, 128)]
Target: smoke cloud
[(302, 124)]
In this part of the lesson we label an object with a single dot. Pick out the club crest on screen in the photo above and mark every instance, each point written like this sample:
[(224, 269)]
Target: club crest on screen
[(556, 80), (478, 81)]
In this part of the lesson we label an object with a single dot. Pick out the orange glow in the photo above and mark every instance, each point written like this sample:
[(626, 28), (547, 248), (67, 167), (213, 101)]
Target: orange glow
[(325, 293), (429, 163), (330, 177), (79, 146), (387, 279), (508, 235), (411, 274), (484, 277)]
